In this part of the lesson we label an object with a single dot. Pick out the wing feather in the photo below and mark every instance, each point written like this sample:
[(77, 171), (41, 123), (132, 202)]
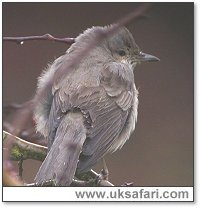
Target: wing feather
[(105, 104)]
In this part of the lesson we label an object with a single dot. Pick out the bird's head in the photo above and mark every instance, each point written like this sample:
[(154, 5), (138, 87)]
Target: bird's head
[(123, 48)]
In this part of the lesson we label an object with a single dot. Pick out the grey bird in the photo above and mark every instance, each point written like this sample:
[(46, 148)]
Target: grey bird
[(92, 110)]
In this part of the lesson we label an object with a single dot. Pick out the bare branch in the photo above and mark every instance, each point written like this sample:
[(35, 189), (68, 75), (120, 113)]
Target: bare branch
[(26, 150), (21, 40), (45, 184), (138, 13), (22, 149), (93, 174), (75, 183)]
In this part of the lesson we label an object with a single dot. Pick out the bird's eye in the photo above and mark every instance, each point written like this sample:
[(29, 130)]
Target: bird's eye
[(122, 53)]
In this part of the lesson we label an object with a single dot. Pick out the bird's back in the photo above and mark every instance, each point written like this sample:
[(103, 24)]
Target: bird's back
[(103, 90)]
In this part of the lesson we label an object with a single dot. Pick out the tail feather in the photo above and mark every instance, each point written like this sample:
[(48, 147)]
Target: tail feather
[(61, 161)]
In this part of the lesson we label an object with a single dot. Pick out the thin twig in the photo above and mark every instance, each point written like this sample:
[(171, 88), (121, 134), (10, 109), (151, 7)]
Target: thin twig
[(46, 183), (75, 183), (21, 40), (20, 164), (22, 149), (93, 174), (27, 145)]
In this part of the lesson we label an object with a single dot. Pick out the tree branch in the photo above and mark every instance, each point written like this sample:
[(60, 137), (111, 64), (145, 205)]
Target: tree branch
[(22, 150), (21, 40)]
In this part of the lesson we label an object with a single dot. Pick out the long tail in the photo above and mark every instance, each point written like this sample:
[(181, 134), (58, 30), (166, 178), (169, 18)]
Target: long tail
[(61, 161)]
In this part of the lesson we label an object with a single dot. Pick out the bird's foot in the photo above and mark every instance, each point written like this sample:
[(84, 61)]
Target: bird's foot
[(103, 175)]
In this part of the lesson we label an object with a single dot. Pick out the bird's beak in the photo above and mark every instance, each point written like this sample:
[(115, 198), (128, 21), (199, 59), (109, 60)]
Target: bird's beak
[(146, 57)]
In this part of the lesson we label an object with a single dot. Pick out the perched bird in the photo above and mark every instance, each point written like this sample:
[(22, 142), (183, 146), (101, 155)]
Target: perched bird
[(92, 109)]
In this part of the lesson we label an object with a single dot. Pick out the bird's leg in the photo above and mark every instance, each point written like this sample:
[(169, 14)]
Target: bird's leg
[(105, 171), (103, 175)]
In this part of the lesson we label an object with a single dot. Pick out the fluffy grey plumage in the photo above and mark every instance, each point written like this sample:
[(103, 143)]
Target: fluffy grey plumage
[(92, 110)]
